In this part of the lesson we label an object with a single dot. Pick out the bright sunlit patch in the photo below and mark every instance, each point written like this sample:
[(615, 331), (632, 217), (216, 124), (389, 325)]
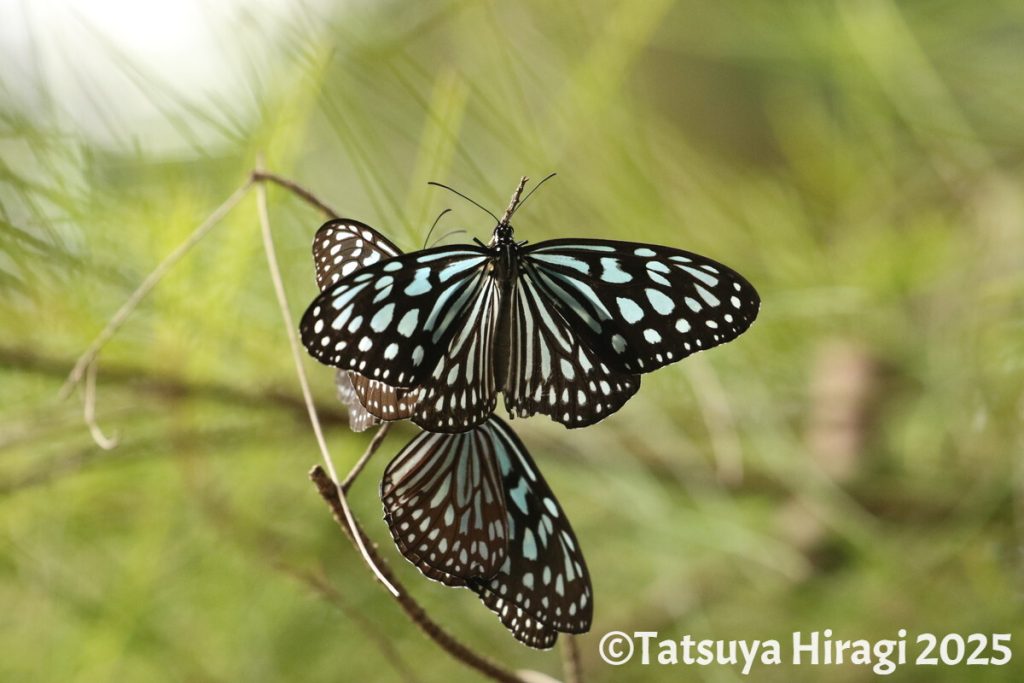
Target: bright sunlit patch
[(122, 71)]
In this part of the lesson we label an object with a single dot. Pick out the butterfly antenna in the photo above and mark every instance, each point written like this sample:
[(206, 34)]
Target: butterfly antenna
[(448, 234), (429, 232), (474, 203), (535, 188)]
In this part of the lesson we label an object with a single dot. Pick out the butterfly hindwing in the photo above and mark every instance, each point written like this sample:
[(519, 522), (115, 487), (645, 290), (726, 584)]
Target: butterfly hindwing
[(543, 586), (461, 391), (342, 246), (381, 401), (445, 506), (551, 372), (641, 306), (359, 418)]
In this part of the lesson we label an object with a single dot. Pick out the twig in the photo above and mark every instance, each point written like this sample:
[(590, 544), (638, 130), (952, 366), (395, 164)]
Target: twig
[(307, 395), (571, 666), (259, 175), (89, 410), (378, 439), (87, 358), (328, 490)]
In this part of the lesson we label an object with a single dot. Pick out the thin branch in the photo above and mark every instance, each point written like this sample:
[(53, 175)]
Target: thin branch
[(378, 439), (328, 490), (572, 669), (86, 359), (260, 175), (307, 394), (89, 410)]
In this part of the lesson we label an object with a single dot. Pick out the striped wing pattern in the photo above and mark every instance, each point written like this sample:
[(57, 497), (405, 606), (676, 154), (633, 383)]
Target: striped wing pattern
[(445, 506), (543, 587), (551, 371), (537, 581)]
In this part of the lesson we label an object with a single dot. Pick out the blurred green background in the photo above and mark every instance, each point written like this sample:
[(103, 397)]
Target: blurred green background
[(853, 462)]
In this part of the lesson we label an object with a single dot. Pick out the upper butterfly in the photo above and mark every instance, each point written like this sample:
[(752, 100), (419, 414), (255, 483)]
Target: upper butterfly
[(563, 327)]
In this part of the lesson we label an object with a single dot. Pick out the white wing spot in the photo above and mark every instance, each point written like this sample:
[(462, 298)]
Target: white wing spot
[(382, 318), (629, 309), (408, 323), (612, 272), (659, 302)]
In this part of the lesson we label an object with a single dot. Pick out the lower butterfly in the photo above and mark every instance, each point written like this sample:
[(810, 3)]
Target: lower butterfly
[(472, 510)]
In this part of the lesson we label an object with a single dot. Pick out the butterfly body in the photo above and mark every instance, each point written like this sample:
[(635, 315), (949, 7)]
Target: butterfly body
[(563, 327)]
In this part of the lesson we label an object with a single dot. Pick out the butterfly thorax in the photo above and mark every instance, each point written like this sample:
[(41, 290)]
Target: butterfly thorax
[(505, 254)]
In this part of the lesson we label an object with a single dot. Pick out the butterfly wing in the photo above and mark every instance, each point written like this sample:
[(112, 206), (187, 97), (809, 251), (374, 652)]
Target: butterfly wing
[(342, 246), (414, 320), (550, 371), (641, 306), (445, 507), (461, 391), (543, 585), (359, 418)]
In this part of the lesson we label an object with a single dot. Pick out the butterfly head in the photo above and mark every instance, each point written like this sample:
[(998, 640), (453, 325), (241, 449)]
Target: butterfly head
[(503, 235)]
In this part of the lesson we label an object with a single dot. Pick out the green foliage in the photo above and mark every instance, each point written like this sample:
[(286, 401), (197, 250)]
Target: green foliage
[(853, 462)]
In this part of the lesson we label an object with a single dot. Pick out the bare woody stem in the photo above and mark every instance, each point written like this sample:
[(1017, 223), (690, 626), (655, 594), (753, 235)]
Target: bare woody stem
[(259, 175), (300, 370), (328, 490), (572, 669)]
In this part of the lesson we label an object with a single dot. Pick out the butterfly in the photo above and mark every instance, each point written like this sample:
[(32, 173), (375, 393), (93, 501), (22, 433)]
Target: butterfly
[(471, 509), (563, 328)]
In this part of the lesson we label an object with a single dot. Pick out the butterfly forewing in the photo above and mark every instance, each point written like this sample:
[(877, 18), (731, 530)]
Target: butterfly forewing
[(391, 321), (551, 372), (642, 306), (445, 507), (342, 246), (543, 585)]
